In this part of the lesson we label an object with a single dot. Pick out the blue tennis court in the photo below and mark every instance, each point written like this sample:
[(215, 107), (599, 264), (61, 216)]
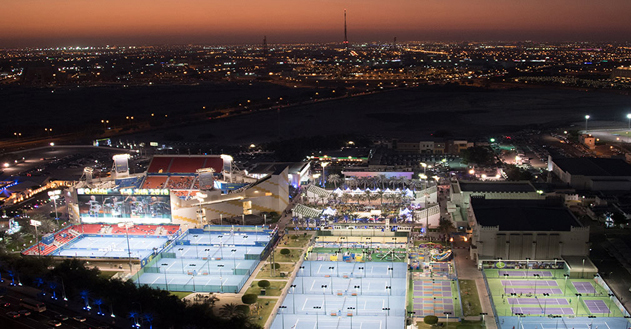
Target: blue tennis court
[(110, 247), (346, 286), (286, 320), (198, 267), (354, 269)]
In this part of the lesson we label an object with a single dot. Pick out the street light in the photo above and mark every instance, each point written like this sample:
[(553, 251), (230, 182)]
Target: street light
[(586, 118), (629, 117)]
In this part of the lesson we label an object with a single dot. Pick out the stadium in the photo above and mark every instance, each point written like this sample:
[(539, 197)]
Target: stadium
[(159, 223)]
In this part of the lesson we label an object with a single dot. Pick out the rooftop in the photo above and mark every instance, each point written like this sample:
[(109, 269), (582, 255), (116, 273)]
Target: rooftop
[(594, 166), (523, 215), (506, 187)]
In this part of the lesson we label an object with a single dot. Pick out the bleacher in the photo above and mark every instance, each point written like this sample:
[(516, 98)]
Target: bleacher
[(155, 182), (186, 165), (69, 233), (180, 182), (159, 164)]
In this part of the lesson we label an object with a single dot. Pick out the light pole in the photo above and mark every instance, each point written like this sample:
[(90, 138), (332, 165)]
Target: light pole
[(316, 312), (54, 195), (201, 197), (629, 117), (447, 314), (35, 224), (586, 118), (324, 286), (220, 276), (583, 270), (127, 225), (351, 310), (282, 319), (578, 299), (293, 293), (536, 277), (527, 267), (234, 261), (565, 287)]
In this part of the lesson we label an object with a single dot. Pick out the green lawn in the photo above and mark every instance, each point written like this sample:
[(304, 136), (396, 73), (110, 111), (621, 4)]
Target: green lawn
[(275, 288), (470, 298), (108, 274), (264, 312), (568, 291), (180, 294), (265, 271), (294, 255), (290, 241)]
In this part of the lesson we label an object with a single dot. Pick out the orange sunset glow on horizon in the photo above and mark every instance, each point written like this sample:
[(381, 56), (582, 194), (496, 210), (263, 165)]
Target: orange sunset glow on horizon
[(54, 22)]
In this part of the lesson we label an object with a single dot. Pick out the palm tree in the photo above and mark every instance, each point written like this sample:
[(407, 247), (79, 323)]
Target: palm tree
[(368, 195), (335, 179), (382, 179), (381, 193), (228, 310), (98, 302)]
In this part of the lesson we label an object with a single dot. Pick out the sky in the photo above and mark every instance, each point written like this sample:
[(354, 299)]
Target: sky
[(140, 22)]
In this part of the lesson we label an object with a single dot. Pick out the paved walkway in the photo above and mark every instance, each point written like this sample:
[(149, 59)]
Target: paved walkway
[(467, 270)]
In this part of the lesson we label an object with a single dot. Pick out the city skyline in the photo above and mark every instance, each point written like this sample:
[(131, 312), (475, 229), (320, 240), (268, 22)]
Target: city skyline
[(158, 22)]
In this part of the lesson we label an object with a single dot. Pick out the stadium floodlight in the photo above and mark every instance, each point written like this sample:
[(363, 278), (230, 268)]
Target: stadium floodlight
[(35, 224), (229, 159), (127, 225), (629, 117)]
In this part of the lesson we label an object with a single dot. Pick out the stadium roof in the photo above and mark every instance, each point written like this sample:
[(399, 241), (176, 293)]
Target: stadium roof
[(523, 215), (594, 166), (305, 211), (506, 187)]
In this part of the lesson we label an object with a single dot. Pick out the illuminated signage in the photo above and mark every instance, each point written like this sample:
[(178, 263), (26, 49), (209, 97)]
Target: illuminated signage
[(129, 191)]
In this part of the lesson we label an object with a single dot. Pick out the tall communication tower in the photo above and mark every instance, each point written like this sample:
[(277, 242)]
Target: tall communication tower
[(345, 35), (264, 45)]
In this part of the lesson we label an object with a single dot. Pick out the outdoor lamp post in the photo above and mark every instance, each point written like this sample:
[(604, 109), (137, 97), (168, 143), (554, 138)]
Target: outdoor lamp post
[(586, 118), (127, 225), (293, 293), (350, 309), (324, 286), (317, 320), (220, 266), (282, 319), (565, 287), (629, 117), (578, 299), (54, 195)]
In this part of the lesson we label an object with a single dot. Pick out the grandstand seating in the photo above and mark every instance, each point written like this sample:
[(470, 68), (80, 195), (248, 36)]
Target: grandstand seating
[(159, 164), (180, 182), (186, 165), (68, 234), (155, 182)]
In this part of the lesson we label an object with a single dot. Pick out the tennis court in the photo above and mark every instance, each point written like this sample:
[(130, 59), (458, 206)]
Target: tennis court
[(199, 267), (111, 247), (286, 320), (540, 311), (549, 283), (345, 294), (537, 301), (560, 322), (354, 269), (526, 274), (584, 287)]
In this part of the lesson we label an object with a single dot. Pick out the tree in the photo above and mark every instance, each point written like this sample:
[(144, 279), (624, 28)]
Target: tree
[(264, 284), (335, 179), (430, 319), (514, 173), (285, 252), (480, 155), (249, 299), (445, 226), (243, 310), (228, 310), (619, 219)]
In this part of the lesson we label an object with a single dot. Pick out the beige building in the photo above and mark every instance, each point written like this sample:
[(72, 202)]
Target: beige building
[(525, 229)]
